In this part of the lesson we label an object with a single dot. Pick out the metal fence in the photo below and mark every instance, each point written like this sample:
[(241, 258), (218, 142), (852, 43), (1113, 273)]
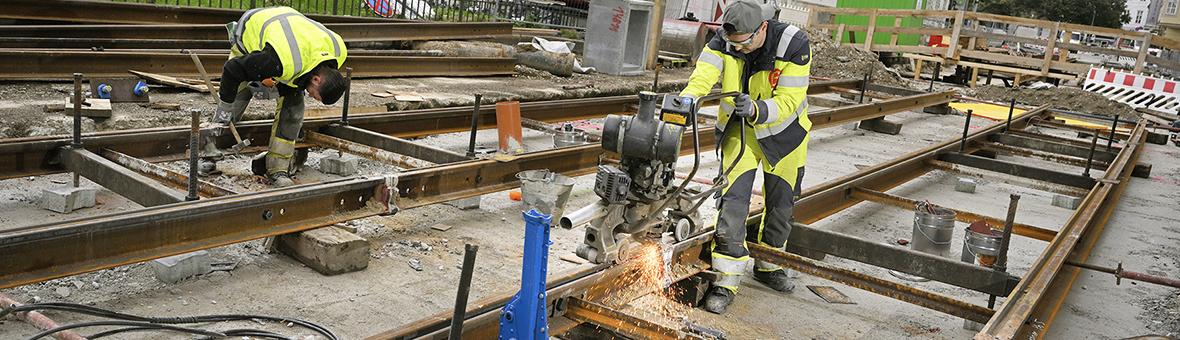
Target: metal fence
[(533, 13)]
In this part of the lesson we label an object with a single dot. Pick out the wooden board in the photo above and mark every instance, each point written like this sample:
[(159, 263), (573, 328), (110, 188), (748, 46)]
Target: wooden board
[(831, 295), (191, 84), (93, 107)]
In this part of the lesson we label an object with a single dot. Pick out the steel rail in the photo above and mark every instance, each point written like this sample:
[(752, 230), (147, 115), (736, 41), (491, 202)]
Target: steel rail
[(57, 65), (37, 253), (214, 36), (351, 32), (30, 156), (485, 325), (1012, 318), (131, 13), (622, 323)]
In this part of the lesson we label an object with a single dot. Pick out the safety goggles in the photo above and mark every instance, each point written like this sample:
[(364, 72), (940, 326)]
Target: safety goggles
[(743, 43)]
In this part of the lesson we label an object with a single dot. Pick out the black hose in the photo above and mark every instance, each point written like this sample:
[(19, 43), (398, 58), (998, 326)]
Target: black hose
[(104, 313), (127, 323)]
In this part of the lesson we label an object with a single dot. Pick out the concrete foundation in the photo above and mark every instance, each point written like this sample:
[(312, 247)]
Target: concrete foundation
[(466, 203), (966, 185), (173, 269), (881, 125), (329, 250), (67, 199), (338, 165), (1068, 202)]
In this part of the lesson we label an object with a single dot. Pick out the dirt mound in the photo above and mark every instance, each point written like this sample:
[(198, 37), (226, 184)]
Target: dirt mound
[(846, 61), (1066, 98)]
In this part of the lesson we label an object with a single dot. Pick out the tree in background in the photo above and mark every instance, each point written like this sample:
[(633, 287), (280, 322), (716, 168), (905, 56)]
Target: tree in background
[(1106, 13)]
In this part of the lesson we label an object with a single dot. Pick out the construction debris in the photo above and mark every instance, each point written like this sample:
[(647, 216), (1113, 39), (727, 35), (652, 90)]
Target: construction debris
[(1067, 98), (847, 61)]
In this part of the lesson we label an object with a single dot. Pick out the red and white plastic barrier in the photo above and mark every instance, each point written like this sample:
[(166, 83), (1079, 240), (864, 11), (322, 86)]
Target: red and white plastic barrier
[(1135, 90)]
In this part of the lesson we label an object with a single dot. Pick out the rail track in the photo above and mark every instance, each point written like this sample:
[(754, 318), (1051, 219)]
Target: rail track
[(177, 227)]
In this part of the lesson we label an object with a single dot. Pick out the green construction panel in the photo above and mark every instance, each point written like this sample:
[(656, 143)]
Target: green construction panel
[(882, 21)]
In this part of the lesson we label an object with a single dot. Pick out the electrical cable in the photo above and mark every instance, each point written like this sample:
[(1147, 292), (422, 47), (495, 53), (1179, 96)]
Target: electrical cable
[(126, 323), (146, 323)]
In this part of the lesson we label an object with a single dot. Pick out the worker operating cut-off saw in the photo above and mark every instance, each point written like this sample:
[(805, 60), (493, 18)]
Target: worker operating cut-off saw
[(763, 66)]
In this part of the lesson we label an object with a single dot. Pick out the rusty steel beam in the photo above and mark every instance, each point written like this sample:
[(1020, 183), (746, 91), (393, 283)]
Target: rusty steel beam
[(1017, 169), (41, 252), (935, 301), (58, 65), (31, 156), (363, 150), (351, 32), (214, 36), (1042, 291), (1002, 178), (1048, 156), (859, 112), (130, 184), (393, 144), (172, 178), (621, 323), (131, 13), (960, 215)]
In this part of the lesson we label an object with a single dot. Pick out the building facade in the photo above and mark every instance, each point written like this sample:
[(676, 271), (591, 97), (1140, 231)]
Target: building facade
[(1169, 19)]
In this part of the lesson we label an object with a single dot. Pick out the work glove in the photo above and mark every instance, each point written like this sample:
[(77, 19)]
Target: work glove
[(744, 107), (221, 118)]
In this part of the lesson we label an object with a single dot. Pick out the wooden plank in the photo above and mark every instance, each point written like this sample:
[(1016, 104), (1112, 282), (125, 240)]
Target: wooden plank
[(893, 35), (1065, 38), (1143, 51), (917, 69), (1019, 72), (172, 81), (1166, 42), (839, 34), (907, 49), (974, 76), (869, 32), (951, 51), (1049, 48), (1072, 68)]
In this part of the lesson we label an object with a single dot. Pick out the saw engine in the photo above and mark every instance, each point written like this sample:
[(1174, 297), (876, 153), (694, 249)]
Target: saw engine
[(638, 198)]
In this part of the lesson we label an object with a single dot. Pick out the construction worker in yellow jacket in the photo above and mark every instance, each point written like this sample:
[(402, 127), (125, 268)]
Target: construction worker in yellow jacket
[(769, 63), (279, 47)]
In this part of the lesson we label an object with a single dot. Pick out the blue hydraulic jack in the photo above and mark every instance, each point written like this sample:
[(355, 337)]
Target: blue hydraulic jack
[(523, 318)]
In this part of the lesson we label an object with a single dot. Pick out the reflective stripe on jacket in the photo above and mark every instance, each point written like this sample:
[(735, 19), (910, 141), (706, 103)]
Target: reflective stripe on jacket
[(300, 43)]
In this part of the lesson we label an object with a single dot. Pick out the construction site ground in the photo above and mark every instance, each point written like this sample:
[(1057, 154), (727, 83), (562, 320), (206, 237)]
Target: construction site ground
[(1143, 234)]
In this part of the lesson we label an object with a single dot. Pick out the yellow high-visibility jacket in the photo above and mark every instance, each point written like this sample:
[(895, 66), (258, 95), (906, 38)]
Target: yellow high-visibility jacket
[(301, 43), (776, 78)]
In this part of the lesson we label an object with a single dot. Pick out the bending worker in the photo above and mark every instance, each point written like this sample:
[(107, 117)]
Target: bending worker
[(279, 47), (768, 62)]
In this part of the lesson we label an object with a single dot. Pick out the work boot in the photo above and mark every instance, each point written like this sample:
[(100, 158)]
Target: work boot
[(775, 279), (718, 299), (280, 179), (207, 167)]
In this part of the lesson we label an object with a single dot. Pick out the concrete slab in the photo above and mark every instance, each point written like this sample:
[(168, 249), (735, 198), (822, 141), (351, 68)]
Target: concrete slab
[(966, 185), (174, 269), (67, 199), (338, 165), (466, 203), (329, 250)]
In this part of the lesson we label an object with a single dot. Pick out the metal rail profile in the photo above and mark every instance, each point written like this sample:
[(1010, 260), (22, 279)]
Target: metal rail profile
[(31, 156), (88, 244), (214, 36), (132, 13), (59, 65), (1045, 287)]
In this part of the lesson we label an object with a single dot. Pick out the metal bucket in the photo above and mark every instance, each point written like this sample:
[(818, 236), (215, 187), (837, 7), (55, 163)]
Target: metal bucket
[(545, 191), (985, 247), (933, 230)]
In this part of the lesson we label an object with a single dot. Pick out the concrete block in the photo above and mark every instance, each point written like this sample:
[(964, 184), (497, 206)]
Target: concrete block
[(966, 185), (67, 199), (337, 165), (938, 109), (1157, 138), (1141, 170), (329, 250), (173, 269), (470, 203), (616, 36), (1065, 201), (881, 125)]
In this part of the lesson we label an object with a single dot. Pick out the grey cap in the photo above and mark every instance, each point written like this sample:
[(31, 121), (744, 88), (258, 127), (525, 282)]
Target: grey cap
[(741, 17)]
